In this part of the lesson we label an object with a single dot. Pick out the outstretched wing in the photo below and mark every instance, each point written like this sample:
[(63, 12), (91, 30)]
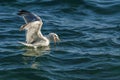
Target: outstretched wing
[(33, 25), (28, 16), (32, 31)]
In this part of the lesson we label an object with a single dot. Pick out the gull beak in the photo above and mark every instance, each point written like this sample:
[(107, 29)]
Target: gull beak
[(56, 39)]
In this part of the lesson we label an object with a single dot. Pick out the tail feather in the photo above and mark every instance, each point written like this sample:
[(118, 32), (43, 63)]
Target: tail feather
[(26, 44)]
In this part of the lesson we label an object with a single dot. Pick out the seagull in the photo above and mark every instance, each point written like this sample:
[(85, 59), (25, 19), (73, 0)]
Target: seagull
[(34, 36)]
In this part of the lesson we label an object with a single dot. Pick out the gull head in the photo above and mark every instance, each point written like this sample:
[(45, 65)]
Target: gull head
[(54, 37)]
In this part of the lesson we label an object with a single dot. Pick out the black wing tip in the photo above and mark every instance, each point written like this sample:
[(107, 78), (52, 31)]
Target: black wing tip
[(20, 12)]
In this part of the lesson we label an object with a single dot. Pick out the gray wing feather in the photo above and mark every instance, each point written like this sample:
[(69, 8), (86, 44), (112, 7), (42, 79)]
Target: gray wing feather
[(32, 31), (30, 17)]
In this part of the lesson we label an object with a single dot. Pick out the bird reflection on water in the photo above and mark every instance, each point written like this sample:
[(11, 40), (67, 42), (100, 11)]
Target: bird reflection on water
[(30, 55), (37, 52)]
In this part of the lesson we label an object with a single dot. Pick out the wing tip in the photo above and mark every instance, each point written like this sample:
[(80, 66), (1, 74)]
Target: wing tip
[(21, 11)]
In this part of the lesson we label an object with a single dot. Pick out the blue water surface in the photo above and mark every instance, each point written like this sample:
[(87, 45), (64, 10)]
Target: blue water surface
[(89, 47)]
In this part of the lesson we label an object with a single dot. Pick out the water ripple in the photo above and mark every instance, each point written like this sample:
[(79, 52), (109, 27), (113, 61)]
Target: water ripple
[(89, 47)]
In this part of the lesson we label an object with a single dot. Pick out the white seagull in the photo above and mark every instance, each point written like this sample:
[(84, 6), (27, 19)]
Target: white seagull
[(34, 37)]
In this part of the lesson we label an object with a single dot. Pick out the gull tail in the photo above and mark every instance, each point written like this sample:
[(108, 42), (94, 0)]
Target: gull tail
[(26, 44)]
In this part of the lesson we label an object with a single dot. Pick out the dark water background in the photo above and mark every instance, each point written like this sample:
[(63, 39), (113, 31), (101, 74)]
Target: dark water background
[(89, 47)]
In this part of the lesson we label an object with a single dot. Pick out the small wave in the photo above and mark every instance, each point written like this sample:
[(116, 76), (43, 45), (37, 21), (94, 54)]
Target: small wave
[(103, 7)]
